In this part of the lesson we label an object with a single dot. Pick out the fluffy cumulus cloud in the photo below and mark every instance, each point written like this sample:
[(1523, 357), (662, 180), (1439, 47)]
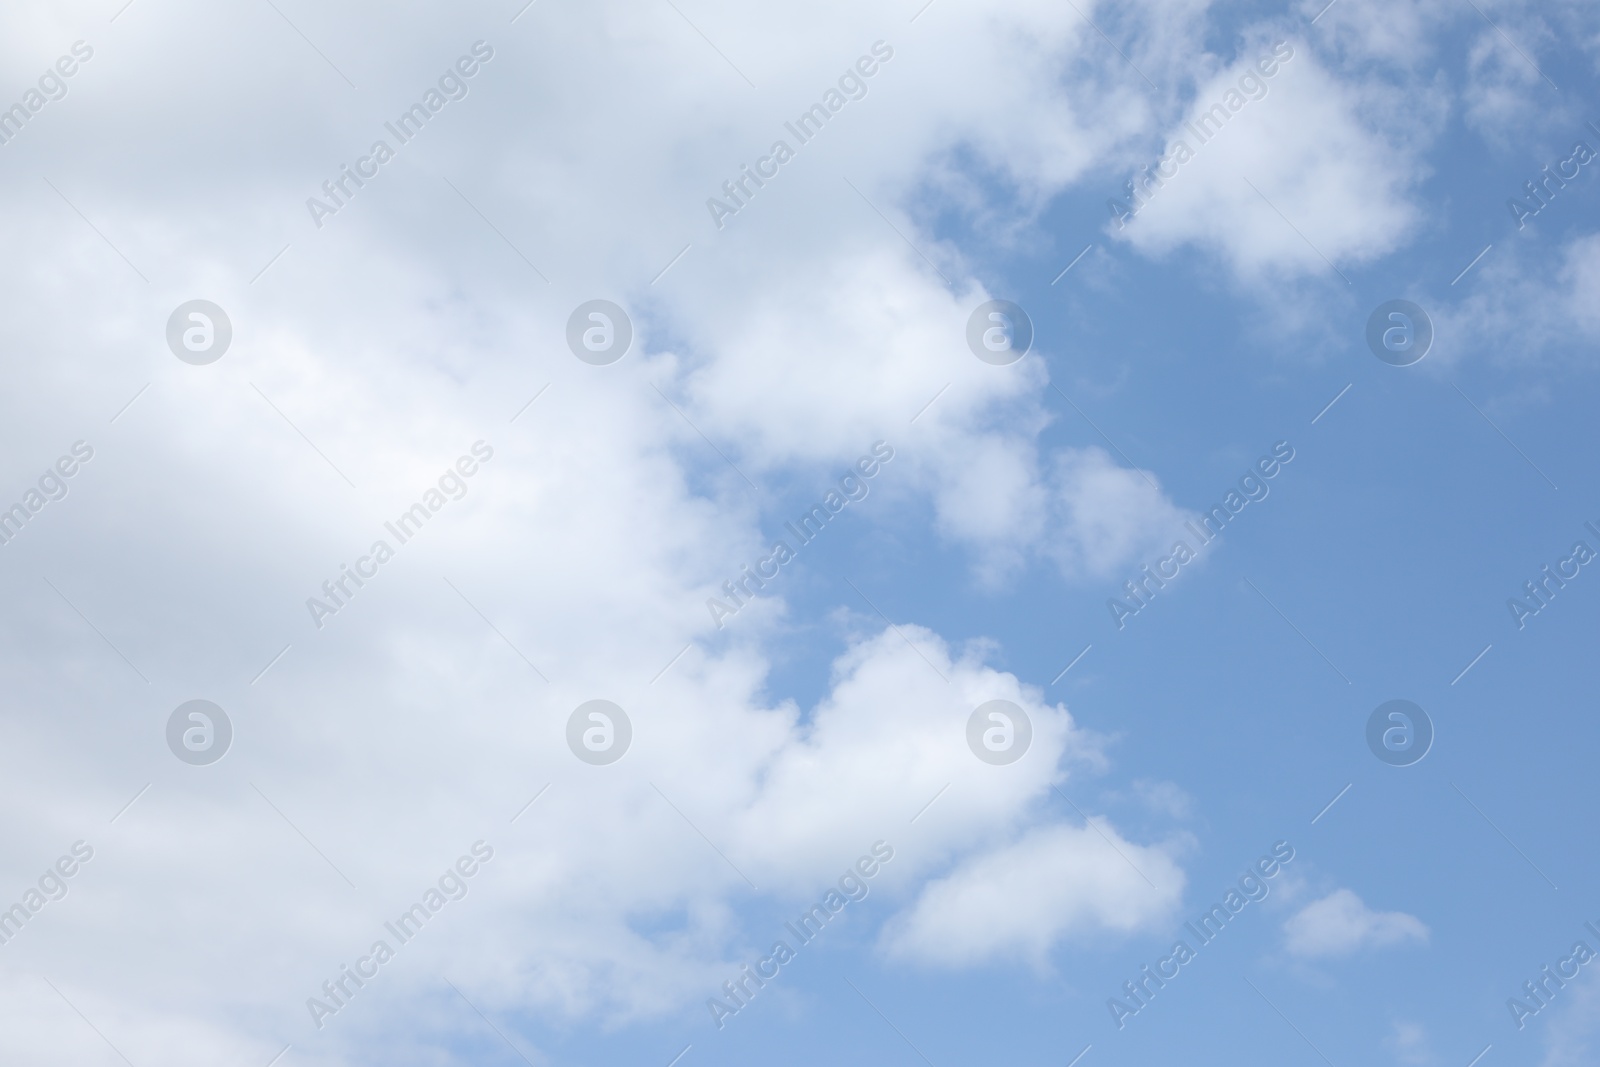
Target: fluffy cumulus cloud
[(1340, 924), (1021, 900), (1276, 165), (381, 350), (426, 709), (1107, 514)]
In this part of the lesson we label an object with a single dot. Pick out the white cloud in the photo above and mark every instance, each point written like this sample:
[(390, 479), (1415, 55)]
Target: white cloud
[(1505, 95), (1022, 899), (1532, 304), (1572, 1038), (1397, 33), (1579, 289), (1328, 180), (1107, 515), (404, 330), (1340, 924)]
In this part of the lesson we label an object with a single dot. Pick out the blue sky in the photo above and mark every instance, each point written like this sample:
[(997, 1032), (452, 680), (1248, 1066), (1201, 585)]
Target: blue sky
[(768, 754)]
